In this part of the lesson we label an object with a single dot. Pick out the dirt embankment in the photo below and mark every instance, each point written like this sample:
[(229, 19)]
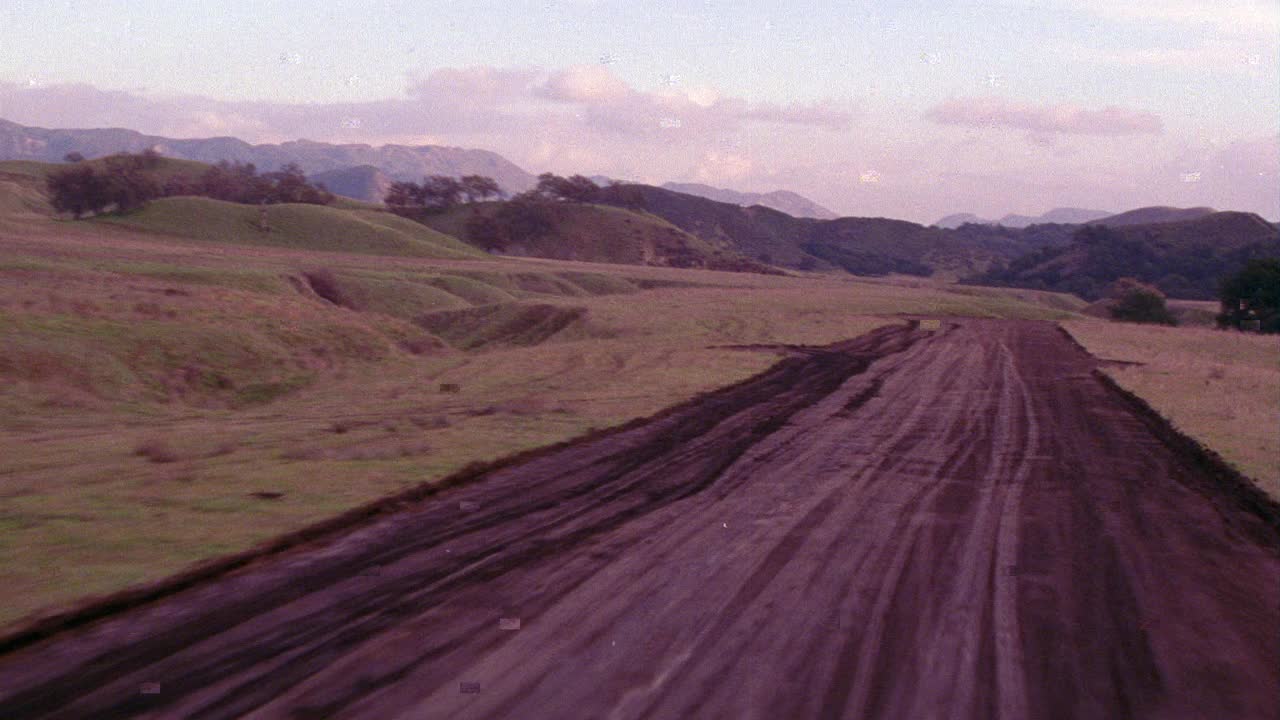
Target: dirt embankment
[(966, 523)]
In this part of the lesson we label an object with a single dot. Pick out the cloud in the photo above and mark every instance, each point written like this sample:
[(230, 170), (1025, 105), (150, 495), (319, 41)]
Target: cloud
[(471, 101), (478, 85), (586, 84), (1064, 119), (1220, 56), (1249, 18)]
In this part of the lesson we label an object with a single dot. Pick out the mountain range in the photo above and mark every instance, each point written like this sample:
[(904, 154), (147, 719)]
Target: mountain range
[(397, 162), (1065, 216), (1181, 250)]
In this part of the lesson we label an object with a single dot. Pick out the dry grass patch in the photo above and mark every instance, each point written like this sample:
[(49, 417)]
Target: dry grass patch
[(1220, 387)]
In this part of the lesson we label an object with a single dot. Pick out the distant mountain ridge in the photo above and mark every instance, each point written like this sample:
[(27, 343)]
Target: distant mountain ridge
[(397, 162), (1155, 214), (860, 246), (1059, 216), (1183, 258), (791, 203)]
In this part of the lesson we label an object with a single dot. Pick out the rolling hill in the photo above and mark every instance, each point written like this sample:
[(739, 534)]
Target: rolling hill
[(399, 162), (1184, 259), (595, 233), (861, 246), (310, 227), (1155, 214)]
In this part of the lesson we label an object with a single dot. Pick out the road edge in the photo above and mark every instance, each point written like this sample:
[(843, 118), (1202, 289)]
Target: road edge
[(1229, 481)]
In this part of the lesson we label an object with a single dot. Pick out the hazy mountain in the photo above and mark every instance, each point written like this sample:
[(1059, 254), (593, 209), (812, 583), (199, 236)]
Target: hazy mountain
[(1062, 216), (1057, 216), (1185, 259), (782, 200), (1155, 214), (363, 182), (954, 221), (398, 162)]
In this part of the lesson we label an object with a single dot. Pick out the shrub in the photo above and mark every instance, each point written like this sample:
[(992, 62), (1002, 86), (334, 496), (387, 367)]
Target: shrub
[(1136, 302), (1251, 298)]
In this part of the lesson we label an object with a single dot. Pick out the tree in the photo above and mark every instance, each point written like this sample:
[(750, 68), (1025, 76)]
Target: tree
[(437, 193), (403, 195), (479, 187), (73, 157), (576, 188), (78, 190), (441, 192), (129, 185), (1251, 297), (122, 183), (1134, 301)]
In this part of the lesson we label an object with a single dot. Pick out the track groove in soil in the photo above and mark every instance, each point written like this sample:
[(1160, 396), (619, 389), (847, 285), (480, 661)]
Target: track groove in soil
[(961, 524)]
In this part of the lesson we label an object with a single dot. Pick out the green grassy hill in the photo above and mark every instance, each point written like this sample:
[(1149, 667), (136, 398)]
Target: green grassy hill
[(306, 227), (595, 233)]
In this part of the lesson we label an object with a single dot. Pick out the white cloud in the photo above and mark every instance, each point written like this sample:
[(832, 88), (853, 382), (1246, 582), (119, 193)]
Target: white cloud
[(1255, 18), (1067, 119)]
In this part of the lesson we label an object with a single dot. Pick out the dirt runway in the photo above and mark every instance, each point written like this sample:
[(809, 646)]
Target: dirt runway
[(959, 524)]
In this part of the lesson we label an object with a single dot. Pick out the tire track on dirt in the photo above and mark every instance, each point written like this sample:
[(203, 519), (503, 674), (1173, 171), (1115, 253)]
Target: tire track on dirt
[(964, 524)]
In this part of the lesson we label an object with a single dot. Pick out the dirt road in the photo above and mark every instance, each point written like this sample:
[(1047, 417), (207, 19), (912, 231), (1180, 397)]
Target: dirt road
[(963, 524)]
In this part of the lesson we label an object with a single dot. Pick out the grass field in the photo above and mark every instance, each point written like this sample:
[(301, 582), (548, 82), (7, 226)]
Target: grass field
[(312, 227), (1222, 388)]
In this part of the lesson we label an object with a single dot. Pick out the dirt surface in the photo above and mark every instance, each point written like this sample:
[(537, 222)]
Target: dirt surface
[(959, 524)]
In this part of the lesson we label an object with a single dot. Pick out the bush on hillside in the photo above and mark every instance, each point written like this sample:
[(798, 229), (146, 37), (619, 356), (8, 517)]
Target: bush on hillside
[(126, 182), (240, 183), (576, 188), (1133, 301), (1251, 298), (122, 183), (438, 193), (518, 220)]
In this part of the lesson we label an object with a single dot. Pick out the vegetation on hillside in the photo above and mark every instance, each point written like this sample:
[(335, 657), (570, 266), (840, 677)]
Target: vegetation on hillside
[(1182, 259), (437, 193), (125, 182), (1251, 298), (1133, 301), (861, 246)]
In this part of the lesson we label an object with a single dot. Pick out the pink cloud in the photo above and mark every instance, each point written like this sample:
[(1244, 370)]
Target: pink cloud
[(1065, 119)]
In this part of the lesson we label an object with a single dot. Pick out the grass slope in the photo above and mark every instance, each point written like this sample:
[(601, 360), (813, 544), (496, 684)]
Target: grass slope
[(590, 233), (307, 227)]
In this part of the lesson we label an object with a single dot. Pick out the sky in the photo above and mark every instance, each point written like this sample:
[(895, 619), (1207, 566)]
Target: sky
[(902, 109)]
